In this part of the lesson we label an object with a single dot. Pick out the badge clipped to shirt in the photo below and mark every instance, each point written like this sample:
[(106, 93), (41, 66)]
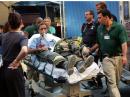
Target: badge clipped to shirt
[(106, 36), (92, 27)]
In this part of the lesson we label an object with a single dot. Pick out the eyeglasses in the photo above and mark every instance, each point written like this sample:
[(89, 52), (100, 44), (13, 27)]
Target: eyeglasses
[(43, 28)]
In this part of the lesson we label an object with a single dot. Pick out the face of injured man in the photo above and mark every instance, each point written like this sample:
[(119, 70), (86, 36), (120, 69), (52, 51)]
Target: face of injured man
[(42, 29)]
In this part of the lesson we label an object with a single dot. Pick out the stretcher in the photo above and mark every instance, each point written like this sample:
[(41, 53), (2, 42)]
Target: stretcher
[(53, 85), (69, 86)]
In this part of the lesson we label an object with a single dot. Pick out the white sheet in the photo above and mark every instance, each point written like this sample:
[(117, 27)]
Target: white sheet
[(90, 72)]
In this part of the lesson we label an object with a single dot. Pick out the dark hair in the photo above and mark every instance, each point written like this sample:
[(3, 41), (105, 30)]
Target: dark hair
[(6, 27), (105, 12), (102, 5), (1, 26), (38, 20), (14, 20), (91, 12), (42, 23)]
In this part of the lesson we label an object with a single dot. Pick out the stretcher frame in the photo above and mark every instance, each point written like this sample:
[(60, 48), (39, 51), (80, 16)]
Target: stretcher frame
[(66, 89)]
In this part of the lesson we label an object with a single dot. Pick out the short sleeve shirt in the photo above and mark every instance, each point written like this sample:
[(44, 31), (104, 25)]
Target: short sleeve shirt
[(12, 43), (52, 30), (48, 41), (110, 41), (89, 32)]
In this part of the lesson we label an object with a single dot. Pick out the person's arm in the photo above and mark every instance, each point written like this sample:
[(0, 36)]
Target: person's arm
[(123, 37), (15, 64), (124, 53), (26, 34), (94, 47), (36, 50), (91, 50), (22, 54), (52, 30)]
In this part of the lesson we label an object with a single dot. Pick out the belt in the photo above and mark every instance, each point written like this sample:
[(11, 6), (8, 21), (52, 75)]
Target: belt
[(110, 56)]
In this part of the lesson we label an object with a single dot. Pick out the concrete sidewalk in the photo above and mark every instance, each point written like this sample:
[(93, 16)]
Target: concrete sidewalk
[(124, 90)]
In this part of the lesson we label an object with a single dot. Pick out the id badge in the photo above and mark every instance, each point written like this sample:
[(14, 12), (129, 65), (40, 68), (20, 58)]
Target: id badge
[(106, 37)]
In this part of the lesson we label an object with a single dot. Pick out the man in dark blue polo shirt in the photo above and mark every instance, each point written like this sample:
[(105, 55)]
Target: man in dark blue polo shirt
[(89, 31)]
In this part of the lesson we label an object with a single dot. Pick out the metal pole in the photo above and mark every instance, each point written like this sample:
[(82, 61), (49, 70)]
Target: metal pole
[(64, 24), (61, 19), (46, 11)]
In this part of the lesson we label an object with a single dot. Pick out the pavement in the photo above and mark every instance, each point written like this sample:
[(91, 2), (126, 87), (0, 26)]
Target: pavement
[(124, 90)]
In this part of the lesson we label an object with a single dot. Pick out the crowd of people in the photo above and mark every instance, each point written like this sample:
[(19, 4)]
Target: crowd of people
[(105, 38)]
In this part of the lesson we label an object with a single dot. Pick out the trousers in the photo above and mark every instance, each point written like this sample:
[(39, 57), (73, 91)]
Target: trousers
[(112, 68), (11, 82)]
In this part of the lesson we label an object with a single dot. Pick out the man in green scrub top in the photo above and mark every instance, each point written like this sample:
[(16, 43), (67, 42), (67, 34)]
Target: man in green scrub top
[(112, 41), (51, 29)]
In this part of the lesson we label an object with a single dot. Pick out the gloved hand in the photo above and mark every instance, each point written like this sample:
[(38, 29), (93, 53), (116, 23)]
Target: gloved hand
[(85, 51)]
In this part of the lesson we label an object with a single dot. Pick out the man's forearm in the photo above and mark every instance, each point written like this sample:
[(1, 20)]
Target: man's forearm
[(124, 49), (93, 48), (37, 50), (31, 51)]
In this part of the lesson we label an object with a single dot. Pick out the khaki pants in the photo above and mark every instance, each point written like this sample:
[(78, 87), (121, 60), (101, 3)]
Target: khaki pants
[(112, 68)]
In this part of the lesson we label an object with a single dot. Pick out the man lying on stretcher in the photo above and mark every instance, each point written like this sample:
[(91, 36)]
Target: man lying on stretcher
[(41, 48)]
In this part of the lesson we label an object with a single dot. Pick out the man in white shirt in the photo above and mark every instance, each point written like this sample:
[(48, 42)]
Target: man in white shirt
[(41, 46)]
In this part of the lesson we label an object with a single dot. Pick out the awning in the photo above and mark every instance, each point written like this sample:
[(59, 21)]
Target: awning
[(35, 3)]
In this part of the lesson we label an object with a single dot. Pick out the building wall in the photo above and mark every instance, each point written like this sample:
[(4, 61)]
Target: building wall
[(74, 15), (3, 14)]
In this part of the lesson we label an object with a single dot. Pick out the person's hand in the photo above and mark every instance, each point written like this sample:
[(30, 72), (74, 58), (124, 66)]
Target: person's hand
[(86, 51), (124, 60), (42, 49), (14, 65)]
